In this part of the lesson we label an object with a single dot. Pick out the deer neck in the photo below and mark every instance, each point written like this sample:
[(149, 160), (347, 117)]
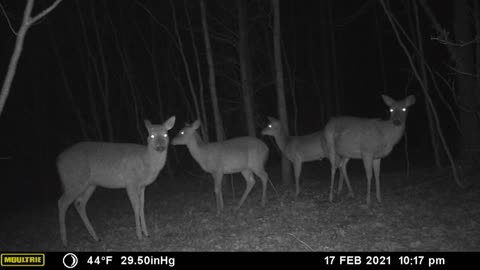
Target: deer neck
[(196, 148), (281, 138), (394, 133), (156, 160)]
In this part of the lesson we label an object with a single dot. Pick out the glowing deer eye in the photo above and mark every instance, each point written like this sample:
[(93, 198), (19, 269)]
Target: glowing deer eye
[(391, 110), (269, 126), (182, 132), (404, 109), (165, 135), (152, 136)]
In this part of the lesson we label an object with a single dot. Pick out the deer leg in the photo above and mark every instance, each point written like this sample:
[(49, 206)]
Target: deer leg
[(345, 175), (376, 171), (134, 196), (63, 203), (340, 181), (218, 191), (142, 212), (250, 181), (297, 168), (264, 178), (367, 163), (333, 167), (81, 204)]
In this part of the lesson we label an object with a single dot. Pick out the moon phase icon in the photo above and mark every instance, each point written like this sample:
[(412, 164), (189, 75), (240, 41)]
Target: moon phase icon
[(70, 260)]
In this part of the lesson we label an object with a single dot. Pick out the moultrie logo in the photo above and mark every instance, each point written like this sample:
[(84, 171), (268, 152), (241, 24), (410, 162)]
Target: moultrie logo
[(22, 259)]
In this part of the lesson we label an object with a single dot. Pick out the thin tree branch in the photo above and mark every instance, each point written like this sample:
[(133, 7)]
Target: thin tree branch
[(427, 96), (44, 12), (443, 39), (462, 72), (8, 20)]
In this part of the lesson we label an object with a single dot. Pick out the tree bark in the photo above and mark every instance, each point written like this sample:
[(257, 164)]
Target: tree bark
[(211, 75), (423, 72), (470, 144), (201, 89), (27, 21), (334, 65), (396, 29), (186, 66), (245, 68), (281, 103)]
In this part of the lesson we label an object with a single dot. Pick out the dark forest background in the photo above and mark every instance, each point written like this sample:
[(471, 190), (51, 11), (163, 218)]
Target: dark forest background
[(94, 70)]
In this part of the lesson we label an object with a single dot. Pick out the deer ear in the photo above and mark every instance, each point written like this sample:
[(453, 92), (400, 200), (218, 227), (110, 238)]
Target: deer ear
[(170, 123), (388, 100), (148, 125), (196, 124), (410, 100)]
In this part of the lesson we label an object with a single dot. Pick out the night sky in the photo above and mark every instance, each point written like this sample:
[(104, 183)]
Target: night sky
[(129, 48)]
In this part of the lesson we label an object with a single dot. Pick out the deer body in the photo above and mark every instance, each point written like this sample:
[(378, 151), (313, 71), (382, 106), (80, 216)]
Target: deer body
[(86, 165), (356, 137), (305, 148), (230, 156), (367, 139), (299, 149), (110, 165), (246, 155)]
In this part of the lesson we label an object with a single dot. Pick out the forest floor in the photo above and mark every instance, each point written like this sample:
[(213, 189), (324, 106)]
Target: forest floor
[(425, 211)]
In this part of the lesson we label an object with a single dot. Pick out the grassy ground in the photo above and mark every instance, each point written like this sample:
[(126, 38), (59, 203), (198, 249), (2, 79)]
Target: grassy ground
[(424, 212)]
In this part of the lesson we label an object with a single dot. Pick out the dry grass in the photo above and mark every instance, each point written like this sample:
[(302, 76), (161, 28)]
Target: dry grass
[(427, 212)]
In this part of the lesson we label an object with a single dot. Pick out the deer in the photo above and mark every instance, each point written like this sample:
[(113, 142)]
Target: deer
[(299, 149), (245, 155), (87, 165), (369, 139)]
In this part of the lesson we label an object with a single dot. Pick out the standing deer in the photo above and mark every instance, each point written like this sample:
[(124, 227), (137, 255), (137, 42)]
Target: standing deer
[(367, 139), (86, 165), (299, 149), (246, 155)]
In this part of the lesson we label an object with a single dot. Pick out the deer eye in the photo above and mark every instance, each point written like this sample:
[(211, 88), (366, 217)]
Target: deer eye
[(152, 136), (404, 109), (165, 135), (182, 132), (270, 126), (391, 110)]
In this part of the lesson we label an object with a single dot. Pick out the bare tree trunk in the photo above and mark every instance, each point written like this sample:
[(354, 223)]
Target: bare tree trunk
[(468, 98), (68, 90), (187, 68), (281, 103), (245, 67), (199, 75), (97, 132), (290, 77), (395, 26), (422, 63), (124, 59), (381, 56), (12, 67), (476, 13), (317, 87), (325, 66), (183, 92), (103, 85), (333, 53), (211, 75), (470, 124), (27, 21)]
